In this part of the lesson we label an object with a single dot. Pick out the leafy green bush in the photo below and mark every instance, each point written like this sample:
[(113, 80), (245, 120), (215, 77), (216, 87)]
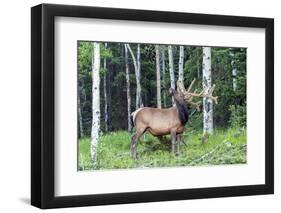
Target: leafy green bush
[(195, 121), (237, 116)]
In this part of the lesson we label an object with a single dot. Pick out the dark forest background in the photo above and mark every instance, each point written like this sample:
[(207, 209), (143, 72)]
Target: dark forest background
[(231, 107)]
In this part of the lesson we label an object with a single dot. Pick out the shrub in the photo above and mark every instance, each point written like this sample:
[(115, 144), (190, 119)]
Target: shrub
[(237, 115)]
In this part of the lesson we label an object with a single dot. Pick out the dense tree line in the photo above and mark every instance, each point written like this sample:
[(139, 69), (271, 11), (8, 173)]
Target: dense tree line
[(114, 79)]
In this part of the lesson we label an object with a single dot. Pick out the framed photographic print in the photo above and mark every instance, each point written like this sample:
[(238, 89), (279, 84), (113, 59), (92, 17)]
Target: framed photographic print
[(139, 106)]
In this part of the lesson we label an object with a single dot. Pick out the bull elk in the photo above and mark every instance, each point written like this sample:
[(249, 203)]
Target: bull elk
[(161, 122)]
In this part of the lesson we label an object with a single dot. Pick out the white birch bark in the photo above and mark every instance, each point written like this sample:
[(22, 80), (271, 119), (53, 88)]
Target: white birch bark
[(128, 90), (234, 79), (198, 62), (234, 73), (181, 59), (164, 75), (80, 114), (137, 73), (95, 101), (158, 76), (105, 93), (207, 83), (171, 69), (81, 132)]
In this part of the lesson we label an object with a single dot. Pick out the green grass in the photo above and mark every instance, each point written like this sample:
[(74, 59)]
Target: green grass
[(223, 147)]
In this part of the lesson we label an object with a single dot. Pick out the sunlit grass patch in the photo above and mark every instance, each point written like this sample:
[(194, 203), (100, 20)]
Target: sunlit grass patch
[(223, 147)]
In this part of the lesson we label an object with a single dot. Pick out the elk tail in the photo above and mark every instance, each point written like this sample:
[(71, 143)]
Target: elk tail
[(134, 114)]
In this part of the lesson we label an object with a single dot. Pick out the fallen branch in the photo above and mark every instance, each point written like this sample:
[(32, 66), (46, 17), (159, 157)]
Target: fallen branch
[(209, 153), (123, 154)]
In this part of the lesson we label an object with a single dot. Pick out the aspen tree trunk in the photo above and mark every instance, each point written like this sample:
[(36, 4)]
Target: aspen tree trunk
[(82, 100), (109, 95), (83, 92), (181, 59), (128, 90), (95, 101), (171, 69), (105, 93), (158, 76), (207, 83), (81, 132), (137, 73), (80, 114), (164, 76), (234, 72), (234, 79), (198, 62)]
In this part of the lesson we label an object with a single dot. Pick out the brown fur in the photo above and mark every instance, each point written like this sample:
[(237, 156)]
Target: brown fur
[(160, 122)]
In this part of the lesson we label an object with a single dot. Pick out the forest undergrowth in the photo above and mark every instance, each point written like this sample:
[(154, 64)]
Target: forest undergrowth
[(225, 146)]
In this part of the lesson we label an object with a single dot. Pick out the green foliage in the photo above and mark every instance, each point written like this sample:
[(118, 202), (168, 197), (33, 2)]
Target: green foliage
[(238, 116), (105, 52), (223, 60), (224, 147), (84, 57), (196, 120)]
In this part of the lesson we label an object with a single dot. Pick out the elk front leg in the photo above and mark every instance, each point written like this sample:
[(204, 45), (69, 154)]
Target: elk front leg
[(174, 140), (134, 142), (179, 139)]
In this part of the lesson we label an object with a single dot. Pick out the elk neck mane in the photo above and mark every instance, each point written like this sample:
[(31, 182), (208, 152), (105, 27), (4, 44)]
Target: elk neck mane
[(183, 112)]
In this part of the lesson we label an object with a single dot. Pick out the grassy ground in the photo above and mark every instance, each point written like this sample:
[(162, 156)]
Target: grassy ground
[(224, 147)]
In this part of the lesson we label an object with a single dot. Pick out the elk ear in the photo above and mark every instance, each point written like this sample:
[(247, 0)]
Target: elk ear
[(171, 91)]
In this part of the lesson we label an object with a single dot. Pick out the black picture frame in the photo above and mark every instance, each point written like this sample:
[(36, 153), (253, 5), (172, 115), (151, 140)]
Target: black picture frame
[(43, 102)]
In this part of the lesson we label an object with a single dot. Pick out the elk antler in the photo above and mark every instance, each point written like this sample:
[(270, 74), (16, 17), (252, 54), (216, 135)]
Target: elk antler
[(188, 95)]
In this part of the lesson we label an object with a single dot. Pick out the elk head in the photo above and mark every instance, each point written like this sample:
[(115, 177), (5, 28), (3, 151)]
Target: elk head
[(177, 95), (188, 95)]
